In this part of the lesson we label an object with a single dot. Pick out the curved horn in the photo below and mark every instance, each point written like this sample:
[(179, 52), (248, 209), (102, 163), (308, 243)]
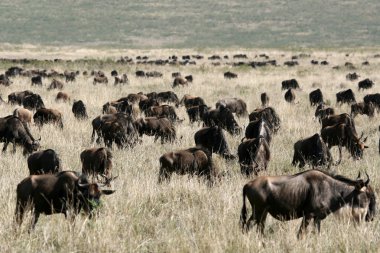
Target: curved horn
[(361, 136), (366, 182), (358, 176), (83, 185)]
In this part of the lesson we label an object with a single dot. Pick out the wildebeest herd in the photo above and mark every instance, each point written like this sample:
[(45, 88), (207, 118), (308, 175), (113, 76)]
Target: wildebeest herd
[(312, 194)]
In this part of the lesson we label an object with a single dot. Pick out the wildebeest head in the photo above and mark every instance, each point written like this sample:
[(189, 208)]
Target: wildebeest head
[(231, 124), (365, 199), (355, 145)]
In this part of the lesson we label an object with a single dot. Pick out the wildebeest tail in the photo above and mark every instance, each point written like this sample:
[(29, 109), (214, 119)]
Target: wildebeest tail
[(243, 215)]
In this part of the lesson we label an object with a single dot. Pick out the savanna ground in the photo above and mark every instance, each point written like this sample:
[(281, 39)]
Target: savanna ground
[(185, 215)]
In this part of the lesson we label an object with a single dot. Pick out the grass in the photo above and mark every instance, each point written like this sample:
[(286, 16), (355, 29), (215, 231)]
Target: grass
[(185, 215)]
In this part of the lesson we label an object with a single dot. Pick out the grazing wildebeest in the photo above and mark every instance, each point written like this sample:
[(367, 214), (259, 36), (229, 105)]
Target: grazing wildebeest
[(290, 96), (167, 111), (344, 135), (100, 120), (363, 109), (213, 139), (311, 194), (287, 84), (311, 150), (196, 113), (222, 117), (316, 97), (140, 73), (270, 116), (374, 99), (100, 79), (254, 156), (158, 127), (79, 110), (346, 96), (190, 101), (230, 75), (365, 84), (264, 99), (179, 81), (55, 84), (97, 161), (46, 116), (69, 76), (167, 96), (192, 161), (343, 118), (33, 102), (24, 115), (18, 97), (120, 129), (36, 80), (114, 73), (146, 103), (57, 193), (13, 130), (122, 80), (352, 76), (189, 78), (322, 111), (44, 162), (257, 128), (62, 96), (235, 105)]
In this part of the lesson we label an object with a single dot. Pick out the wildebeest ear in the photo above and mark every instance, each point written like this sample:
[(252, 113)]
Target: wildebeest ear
[(107, 192)]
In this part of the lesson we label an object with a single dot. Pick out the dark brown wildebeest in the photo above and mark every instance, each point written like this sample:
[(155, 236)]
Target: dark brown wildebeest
[(270, 116), (114, 73), (374, 99), (190, 101), (316, 97), (365, 84), (153, 74), (213, 139), (223, 118), (363, 109), (117, 106), (36, 80), (167, 96), (24, 115), (62, 96), (176, 74), (4, 80), (18, 97), (230, 75), (344, 135), (346, 96), (235, 105), (322, 111), (100, 79), (287, 84), (158, 127), (44, 162), (264, 99), (140, 73), (193, 161), (257, 128), (189, 78), (196, 113), (13, 130), (290, 96), (70, 76), (55, 84), (79, 110), (311, 151), (343, 118), (352, 76), (147, 103), (46, 116), (33, 102), (122, 80), (97, 161), (254, 156), (179, 81), (98, 121), (167, 111), (58, 193), (311, 194)]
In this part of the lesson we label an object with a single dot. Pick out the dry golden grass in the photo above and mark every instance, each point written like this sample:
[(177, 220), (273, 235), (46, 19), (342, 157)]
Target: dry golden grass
[(185, 215)]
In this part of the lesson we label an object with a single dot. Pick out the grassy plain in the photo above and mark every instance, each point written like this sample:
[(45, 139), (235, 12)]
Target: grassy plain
[(185, 215)]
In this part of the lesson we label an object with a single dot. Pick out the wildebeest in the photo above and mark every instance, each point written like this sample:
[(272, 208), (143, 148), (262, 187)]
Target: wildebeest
[(270, 116), (114, 73), (313, 151), (344, 135), (287, 84), (196, 113), (235, 105), (100, 120), (122, 79), (193, 161), (56, 193), (46, 116), (167, 111), (230, 75), (79, 110), (264, 99), (343, 118), (44, 162), (190, 101), (140, 73), (290, 96), (4, 80), (157, 127), (69, 76), (100, 79), (311, 194), (36, 80), (257, 128), (166, 96), (146, 103), (374, 99), (316, 97), (352, 76), (363, 108), (179, 81), (153, 74), (56, 84), (97, 161), (346, 96), (24, 115), (33, 102), (13, 130), (222, 117), (365, 84), (189, 78), (254, 155), (18, 97), (213, 139), (322, 111), (62, 96)]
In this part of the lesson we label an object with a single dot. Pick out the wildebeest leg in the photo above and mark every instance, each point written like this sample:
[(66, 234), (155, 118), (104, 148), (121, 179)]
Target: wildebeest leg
[(340, 155), (35, 217), (163, 175), (156, 138), (305, 222), (5, 146), (317, 224), (14, 146)]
